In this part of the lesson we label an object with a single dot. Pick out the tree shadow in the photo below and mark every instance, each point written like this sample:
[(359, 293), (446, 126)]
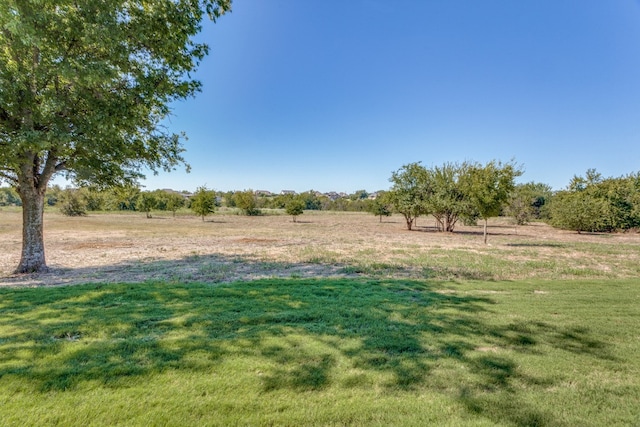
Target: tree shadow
[(299, 331)]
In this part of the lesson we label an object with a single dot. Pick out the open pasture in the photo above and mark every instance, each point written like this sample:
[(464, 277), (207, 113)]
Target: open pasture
[(227, 247)]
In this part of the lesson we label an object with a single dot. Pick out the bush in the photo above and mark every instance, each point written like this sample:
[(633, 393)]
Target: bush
[(295, 207), (247, 202), (73, 203)]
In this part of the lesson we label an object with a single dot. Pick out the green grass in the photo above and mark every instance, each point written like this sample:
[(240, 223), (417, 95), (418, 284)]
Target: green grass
[(589, 260), (322, 352)]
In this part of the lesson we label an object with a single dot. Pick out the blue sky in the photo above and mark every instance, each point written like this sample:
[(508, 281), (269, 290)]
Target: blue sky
[(302, 94)]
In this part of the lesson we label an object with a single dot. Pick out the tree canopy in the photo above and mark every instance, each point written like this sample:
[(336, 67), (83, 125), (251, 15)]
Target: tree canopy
[(294, 207), (84, 88), (488, 187), (203, 202), (408, 192)]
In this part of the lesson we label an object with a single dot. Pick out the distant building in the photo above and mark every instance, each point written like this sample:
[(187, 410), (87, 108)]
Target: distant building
[(185, 194), (285, 192)]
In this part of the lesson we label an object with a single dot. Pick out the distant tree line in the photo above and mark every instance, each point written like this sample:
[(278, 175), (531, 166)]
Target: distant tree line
[(450, 193)]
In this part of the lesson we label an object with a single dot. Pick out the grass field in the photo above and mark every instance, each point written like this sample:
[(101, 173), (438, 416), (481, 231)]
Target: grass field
[(130, 248), (351, 322), (322, 352)]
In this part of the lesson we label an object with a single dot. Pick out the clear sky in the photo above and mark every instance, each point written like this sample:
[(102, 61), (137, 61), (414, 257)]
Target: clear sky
[(303, 94)]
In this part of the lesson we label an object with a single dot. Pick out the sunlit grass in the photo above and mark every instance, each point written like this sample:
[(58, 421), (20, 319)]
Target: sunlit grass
[(322, 352)]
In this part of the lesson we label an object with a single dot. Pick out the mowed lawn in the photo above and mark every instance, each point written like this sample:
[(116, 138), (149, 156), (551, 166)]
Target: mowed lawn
[(322, 352)]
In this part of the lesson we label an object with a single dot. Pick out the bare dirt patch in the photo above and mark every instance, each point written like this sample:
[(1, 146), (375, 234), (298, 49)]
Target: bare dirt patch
[(131, 248)]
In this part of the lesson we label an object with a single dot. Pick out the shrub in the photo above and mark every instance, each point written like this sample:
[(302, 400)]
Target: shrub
[(73, 203)]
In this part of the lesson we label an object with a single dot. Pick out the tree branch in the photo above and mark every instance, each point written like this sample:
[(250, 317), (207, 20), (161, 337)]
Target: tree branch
[(49, 169), (10, 178)]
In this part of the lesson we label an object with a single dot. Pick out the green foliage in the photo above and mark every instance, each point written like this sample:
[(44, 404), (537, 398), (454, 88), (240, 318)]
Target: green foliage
[(578, 211), (9, 197), (381, 205), (247, 202), (489, 187), (295, 207), (593, 203), (452, 191), (74, 100), (96, 200), (203, 202), (359, 195), (147, 201), (409, 192), (84, 88), (73, 202), (123, 198), (53, 195), (312, 200), (528, 202), (229, 200), (173, 201), (446, 198)]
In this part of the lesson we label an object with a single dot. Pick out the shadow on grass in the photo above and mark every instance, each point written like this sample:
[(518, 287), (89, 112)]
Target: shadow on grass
[(217, 268), (298, 332)]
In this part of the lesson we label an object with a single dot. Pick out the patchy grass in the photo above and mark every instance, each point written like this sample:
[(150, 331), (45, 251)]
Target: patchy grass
[(322, 352), (127, 247)]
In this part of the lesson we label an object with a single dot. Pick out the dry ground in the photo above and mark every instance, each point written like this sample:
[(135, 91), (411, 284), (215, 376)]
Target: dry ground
[(126, 247)]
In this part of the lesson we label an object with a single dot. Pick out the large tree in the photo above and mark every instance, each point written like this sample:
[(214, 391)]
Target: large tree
[(84, 88)]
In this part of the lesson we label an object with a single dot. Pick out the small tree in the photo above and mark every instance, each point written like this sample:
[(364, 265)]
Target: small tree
[(247, 201), (203, 202), (72, 202), (147, 201), (408, 193), (380, 206), (488, 188), (295, 207), (527, 202), (174, 202)]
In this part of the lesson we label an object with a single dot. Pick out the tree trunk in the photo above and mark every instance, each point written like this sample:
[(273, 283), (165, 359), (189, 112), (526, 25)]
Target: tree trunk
[(32, 259), (409, 221), (485, 231)]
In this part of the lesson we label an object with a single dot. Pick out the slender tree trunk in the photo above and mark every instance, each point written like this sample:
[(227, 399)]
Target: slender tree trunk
[(32, 259), (485, 231)]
